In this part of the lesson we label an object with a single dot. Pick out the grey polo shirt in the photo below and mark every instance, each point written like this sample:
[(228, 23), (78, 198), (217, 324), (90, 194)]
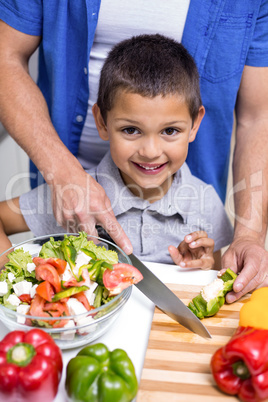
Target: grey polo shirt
[(189, 205)]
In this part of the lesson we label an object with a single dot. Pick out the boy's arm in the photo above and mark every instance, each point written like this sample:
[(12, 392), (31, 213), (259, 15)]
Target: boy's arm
[(11, 222)]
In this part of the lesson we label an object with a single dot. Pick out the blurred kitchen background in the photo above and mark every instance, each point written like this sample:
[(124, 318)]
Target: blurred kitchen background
[(14, 164)]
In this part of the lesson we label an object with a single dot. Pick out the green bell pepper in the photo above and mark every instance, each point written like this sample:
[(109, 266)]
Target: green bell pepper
[(68, 292), (98, 296), (202, 307), (70, 254), (98, 375), (89, 253)]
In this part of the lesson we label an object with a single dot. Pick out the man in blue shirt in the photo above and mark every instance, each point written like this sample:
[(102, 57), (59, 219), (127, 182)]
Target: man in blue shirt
[(229, 43)]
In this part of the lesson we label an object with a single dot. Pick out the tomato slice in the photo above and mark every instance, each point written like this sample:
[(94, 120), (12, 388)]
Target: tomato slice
[(122, 276), (37, 306), (57, 263), (57, 309), (46, 272), (25, 298), (72, 282), (45, 290)]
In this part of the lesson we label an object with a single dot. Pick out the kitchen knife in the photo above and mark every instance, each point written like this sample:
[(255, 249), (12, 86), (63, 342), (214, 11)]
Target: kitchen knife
[(162, 296), (166, 300)]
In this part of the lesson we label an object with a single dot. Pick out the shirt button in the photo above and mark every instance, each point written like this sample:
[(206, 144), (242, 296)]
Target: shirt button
[(85, 70), (79, 118)]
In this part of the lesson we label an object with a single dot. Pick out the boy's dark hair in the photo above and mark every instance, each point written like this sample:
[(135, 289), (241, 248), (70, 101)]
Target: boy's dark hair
[(149, 65)]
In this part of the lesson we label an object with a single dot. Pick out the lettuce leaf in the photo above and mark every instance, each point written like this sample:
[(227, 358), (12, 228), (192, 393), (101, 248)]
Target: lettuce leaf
[(18, 260), (102, 253), (78, 242), (52, 249)]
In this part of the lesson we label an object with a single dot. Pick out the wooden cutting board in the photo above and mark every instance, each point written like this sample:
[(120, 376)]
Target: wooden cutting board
[(177, 362)]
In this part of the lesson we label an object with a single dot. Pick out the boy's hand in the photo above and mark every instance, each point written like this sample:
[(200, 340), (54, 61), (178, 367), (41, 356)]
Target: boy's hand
[(195, 251)]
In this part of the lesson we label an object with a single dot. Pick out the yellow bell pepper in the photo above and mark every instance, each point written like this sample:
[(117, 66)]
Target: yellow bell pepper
[(254, 312)]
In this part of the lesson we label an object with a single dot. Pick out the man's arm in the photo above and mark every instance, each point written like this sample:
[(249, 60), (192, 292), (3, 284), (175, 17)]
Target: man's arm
[(250, 184), (24, 113)]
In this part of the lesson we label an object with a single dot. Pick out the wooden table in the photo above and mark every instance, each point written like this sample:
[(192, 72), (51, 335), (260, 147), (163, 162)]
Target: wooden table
[(177, 362)]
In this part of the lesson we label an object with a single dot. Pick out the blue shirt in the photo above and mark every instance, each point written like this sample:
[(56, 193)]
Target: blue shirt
[(221, 35)]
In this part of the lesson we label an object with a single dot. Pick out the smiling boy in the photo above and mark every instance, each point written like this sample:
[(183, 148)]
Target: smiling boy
[(149, 139), (149, 108)]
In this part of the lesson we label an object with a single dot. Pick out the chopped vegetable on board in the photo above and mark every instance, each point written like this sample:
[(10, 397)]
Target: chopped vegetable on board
[(212, 296)]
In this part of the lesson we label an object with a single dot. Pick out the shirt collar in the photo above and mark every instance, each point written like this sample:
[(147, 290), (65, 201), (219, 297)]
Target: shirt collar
[(178, 200), (122, 199)]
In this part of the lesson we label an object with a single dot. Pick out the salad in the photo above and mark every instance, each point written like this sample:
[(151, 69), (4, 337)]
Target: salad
[(67, 278)]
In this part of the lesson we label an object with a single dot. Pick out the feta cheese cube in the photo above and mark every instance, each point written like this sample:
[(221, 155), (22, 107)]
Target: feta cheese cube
[(33, 291), (81, 259), (11, 276), (3, 288), (22, 287), (67, 274), (89, 293), (86, 328), (68, 335), (22, 309), (30, 266), (75, 307), (92, 299), (14, 300)]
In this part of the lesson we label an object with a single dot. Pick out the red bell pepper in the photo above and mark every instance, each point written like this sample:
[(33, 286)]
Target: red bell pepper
[(241, 366), (30, 367)]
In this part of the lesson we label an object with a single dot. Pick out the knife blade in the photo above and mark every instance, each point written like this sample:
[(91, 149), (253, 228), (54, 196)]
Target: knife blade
[(166, 300), (153, 288)]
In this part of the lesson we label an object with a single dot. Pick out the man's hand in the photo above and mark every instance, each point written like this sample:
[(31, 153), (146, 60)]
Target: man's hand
[(247, 256), (195, 251), (83, 204)]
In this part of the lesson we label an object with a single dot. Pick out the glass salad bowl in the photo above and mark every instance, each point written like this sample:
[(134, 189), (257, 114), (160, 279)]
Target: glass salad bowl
[(72, 321)]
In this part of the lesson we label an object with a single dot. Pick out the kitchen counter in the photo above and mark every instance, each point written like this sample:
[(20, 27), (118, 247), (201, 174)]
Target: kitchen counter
[(132, 328)]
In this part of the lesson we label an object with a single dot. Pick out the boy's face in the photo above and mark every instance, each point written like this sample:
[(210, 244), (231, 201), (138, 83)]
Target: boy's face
[(149, 140)]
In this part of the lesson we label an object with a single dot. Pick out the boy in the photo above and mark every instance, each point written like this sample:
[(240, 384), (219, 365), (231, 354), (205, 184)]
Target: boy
[(149, 108)]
